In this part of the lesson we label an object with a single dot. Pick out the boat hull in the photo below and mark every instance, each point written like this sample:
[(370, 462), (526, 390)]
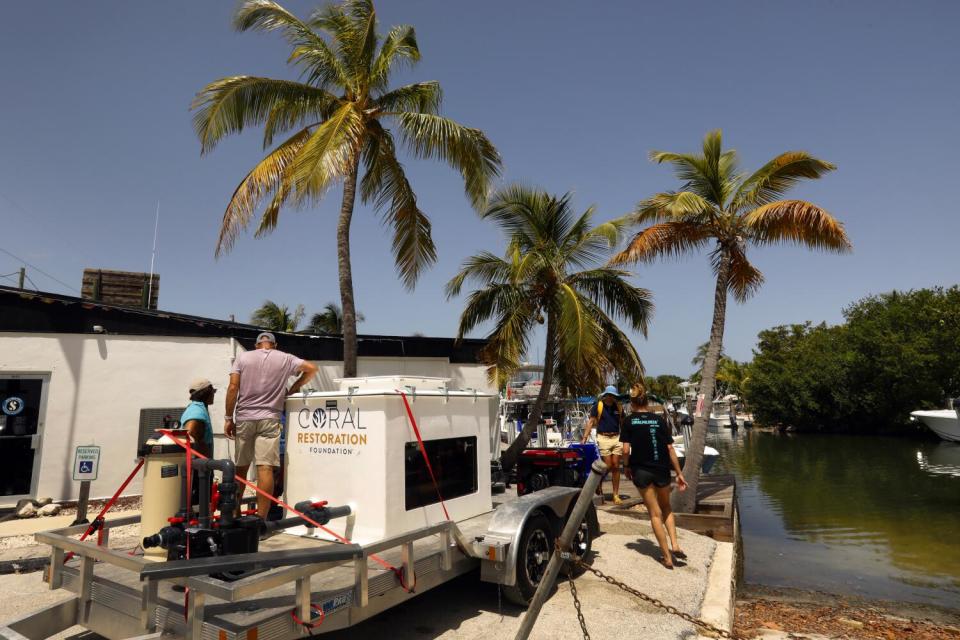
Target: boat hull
[(944, 423)]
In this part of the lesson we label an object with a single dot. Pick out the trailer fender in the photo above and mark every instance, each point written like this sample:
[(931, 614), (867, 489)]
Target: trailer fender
[(508, 522)]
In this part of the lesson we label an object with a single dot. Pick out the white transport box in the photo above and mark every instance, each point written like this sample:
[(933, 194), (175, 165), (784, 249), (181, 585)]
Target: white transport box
[(357, 446)]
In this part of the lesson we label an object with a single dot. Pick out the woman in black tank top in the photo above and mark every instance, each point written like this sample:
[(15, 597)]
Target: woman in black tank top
[(648, 458)]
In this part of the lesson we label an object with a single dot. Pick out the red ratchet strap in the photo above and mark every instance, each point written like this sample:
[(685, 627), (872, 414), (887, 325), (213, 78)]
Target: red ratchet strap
[(97, 524), (416, 431), (243, 481)]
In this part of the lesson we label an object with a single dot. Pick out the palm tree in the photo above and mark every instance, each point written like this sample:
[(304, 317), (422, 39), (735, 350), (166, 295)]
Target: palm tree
[(549, 274), (733, 375), (277, 317), (719, 206), (330, 320), (701, 355), (334, 118)]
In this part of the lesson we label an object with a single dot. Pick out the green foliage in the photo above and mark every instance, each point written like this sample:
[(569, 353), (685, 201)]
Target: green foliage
[(277, 317), (329, 321), (896, 352), (665, 386)]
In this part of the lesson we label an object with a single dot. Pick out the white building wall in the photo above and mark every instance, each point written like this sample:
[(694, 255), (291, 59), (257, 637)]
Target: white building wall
[(99, 383)]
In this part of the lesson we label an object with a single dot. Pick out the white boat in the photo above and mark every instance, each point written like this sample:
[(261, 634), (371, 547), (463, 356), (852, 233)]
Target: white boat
[(943, 422), (722, 413), (710, 455)]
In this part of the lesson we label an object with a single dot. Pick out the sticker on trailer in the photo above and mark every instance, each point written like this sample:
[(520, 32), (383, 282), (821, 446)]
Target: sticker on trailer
[(86, 463), (13, 405)]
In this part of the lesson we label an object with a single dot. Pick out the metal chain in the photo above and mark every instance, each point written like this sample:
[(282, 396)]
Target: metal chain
[(577, 560), (576, 605)]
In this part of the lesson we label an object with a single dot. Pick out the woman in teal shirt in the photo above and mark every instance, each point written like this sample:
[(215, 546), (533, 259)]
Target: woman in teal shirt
[(196, 417)]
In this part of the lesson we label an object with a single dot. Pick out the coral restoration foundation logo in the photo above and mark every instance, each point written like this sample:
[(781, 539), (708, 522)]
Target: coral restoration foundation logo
[(330, 430)]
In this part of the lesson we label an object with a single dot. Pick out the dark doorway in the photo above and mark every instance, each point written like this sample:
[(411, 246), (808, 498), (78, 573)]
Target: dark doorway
[(20, 407)]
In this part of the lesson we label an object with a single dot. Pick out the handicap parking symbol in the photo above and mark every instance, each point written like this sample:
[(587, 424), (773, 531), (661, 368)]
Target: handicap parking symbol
[(86, 466)]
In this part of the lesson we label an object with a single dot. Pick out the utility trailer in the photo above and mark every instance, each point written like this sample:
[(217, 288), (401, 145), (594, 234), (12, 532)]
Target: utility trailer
[(400, 542)]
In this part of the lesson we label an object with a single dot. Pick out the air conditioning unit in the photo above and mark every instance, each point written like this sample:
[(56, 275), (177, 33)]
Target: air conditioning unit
[(152, 419)]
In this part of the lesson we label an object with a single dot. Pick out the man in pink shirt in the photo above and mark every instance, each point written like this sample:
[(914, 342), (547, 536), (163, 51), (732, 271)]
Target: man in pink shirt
[(258, 387)]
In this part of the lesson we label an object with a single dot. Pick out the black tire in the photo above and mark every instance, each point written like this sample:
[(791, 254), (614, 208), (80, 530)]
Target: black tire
[(582, 542), (533, 554)]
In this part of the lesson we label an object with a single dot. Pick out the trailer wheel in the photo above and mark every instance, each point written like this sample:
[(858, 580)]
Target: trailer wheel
[(533, 555), (583, 541)]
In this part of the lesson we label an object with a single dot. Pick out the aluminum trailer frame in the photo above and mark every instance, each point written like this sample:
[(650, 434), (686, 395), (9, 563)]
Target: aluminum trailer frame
[(114, 601)]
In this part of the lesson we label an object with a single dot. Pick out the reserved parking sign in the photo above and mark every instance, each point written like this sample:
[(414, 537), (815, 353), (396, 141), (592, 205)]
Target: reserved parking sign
[(86, 463)]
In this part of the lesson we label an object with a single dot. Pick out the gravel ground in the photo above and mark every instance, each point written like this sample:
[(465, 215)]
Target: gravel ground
[(469, 609)]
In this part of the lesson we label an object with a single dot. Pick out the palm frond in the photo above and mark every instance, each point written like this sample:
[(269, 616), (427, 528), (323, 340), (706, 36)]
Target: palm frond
[(483, 268), (609, 290), (494, 300), (329, 153), (386, 184), (775, 178), (577, 332), (270, 175), (399, 46), (744, 279), (516, 209), (465, 149), (321, 66), (798, 222), (229, 104), (422, 97), (587, 246), (680, 205), (265, 15), (616, 351), (663, 240)]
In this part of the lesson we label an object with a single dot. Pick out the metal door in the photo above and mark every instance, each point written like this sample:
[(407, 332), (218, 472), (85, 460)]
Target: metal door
[(22, 404)]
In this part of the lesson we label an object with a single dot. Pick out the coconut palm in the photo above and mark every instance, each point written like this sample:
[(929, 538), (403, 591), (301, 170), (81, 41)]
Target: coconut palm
[(719, 207), (337, 116), (701, 355), (733, 375), (277, 317), (550, 274), (330, 320)]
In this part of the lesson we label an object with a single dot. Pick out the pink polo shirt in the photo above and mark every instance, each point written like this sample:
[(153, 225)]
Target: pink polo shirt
[(263, 382)]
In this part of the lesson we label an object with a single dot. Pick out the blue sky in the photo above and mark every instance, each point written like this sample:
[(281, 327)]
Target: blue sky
[(95, 129)]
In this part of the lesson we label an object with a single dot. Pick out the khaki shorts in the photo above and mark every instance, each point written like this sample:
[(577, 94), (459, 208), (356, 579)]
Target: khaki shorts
[(609, 445), (259, 441)]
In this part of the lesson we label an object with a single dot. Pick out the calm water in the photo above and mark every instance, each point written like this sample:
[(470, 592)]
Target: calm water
[(872, 516)]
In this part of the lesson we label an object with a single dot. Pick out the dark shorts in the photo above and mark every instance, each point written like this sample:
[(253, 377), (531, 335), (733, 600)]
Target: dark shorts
[(644, 476)]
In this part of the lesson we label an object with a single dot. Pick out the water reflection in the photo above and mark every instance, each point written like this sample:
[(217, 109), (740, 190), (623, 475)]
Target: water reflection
[(875, 516), (943, 459)]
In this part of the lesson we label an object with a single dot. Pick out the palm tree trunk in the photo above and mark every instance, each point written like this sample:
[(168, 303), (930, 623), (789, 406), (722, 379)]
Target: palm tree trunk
[(686, 502), (509, 457), (346, 273)]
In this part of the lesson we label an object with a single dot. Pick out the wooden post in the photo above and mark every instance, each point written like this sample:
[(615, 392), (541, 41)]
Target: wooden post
[(597, 471), (82, 504), (23, 274)]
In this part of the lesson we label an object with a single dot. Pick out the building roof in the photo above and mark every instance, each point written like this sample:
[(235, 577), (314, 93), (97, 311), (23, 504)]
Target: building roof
[(24, 311)]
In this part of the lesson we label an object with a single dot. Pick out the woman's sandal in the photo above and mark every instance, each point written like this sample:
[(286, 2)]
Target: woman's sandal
[(680, 555), (663, 561)]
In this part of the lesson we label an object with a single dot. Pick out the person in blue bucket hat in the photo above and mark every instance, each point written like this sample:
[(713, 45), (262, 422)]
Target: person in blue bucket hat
[(607, 417)]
